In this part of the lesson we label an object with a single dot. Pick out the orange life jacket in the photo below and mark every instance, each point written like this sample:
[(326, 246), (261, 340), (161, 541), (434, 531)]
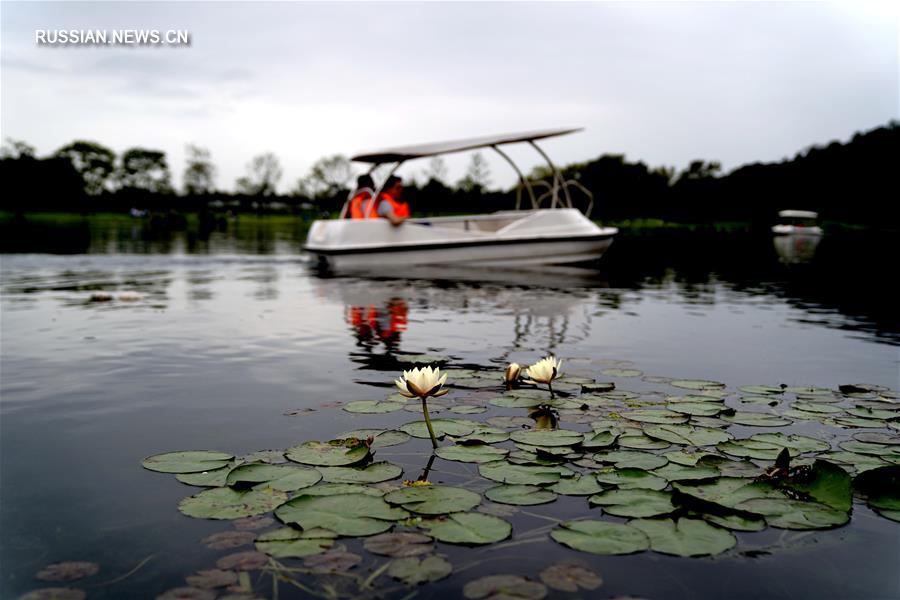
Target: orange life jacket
[(361, 206), (401, 209)]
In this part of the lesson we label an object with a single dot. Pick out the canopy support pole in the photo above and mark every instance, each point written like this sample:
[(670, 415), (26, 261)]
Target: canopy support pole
[(522, 179), (557, 178)]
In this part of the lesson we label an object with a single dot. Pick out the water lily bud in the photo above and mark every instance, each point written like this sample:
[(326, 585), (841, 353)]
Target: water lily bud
[(512, 373)]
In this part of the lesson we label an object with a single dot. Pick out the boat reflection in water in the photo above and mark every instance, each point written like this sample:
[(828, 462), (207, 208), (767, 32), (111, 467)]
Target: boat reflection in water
[(379, 324), (796, 248), (542, 309)]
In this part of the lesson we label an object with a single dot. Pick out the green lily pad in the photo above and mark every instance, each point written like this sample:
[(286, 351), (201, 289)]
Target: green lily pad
[(336, 489), (279, 477), (468, 528), (800, 443), (504, 472), (631, 479), (336, 453), (673, 472), (729, 491), (381, 438), (373, 473), (473, 453), (687, 435), (467, 409), (520, 495), (631, 459), (485, 435), (751, 419), (580, 485), (399, 545), (642, 442), (856, 422), (226, 503), (288, 542), (569, 578), (510, 422), (634, 503), (870, 448), (518, 401), (795, 514), (372, 407), (696, 384), (754, 449), (859, 462), (415, 571), (504, 587), (600, 537), (214, 478), (557, 437), (348, 514), (824, 482), (872, 437), (190, 461), (686, 458), (736, 522), (881, 488), (549, 451), (702, 409), (817, 407), (434, 499), (622, 372), (600, 439), (656, 416), (685, 537), (442, 427), (762, 389)]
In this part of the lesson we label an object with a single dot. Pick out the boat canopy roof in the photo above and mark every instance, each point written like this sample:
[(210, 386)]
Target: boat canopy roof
[(404, 153), (798, 214)]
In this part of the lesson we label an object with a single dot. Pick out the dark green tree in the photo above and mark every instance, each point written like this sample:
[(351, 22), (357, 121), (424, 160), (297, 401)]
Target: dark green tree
[(328, 176), (263, 174), (477, 176), (94, 162), (145, 170), (199, 171)]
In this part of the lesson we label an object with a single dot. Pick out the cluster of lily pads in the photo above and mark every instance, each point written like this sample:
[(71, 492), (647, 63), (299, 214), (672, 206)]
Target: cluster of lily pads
[(680, 470)]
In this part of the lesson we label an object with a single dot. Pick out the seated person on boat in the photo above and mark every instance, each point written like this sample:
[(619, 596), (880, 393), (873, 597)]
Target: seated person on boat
[(389, 205), (361, 205)]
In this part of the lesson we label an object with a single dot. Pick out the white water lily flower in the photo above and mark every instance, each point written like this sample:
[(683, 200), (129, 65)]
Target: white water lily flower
[(512, 373), (422, 383), (544, 370)]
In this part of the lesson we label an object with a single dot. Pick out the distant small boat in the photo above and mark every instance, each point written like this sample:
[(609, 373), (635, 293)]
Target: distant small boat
[(534, 236), (797, 222)]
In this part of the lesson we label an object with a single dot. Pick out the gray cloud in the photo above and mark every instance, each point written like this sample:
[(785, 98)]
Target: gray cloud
[(661, 82)]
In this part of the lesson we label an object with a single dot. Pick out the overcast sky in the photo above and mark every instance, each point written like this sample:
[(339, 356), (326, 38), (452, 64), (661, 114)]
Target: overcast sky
[(660, 82)]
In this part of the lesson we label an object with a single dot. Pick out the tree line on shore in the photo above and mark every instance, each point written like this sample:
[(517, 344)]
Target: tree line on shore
[(845, 181)]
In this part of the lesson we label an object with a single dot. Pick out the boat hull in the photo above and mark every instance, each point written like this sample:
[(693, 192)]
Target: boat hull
[(530, 252), (559, 236)]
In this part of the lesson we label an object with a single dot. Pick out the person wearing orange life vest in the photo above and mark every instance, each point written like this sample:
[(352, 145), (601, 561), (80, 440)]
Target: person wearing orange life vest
[(361, 205), (389, 205)]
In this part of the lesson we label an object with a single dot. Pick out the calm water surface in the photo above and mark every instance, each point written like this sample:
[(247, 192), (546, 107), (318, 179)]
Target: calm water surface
[(234, 331)]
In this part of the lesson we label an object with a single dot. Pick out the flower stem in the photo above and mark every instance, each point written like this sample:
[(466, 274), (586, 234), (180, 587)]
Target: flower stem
[(428, 423)]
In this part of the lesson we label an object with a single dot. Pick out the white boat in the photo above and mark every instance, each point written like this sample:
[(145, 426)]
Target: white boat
[(535, 235), (797, 222)]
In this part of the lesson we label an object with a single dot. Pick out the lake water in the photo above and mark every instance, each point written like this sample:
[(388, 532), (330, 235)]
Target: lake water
[(233, 334)]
